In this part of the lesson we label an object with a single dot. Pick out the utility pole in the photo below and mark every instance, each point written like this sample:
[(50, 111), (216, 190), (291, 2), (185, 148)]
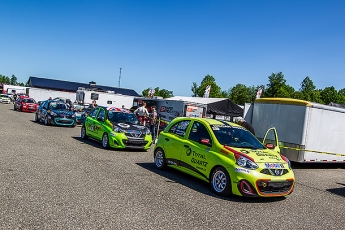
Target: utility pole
[(120, 78)]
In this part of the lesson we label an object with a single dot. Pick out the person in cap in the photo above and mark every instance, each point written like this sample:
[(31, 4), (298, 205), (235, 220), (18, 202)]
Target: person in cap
[(153, 122), (243, 123)]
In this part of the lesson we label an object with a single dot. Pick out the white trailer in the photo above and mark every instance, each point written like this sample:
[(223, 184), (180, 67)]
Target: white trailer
[(14, 89), (104, 98), (308, 131), (44, 94)]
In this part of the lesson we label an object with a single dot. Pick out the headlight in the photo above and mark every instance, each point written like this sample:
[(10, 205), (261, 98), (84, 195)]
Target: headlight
[(148, 132), (245, 162), (74, 115), (52, 113), (118, 129), (287, 160)]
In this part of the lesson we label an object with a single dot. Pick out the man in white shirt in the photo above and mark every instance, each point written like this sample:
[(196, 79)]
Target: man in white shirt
[(141, 112)]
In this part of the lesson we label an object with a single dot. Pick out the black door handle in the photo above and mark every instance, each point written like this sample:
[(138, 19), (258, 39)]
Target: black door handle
[(167, 139), (186, 146)]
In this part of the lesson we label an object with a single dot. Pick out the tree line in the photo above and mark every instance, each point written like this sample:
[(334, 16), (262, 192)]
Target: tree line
[(276, 87), (241, 94), (10, 80)]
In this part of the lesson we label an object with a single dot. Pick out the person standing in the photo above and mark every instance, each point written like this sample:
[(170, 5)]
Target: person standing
[(153, 123), (141, 112), (94, 104), (243, 123)]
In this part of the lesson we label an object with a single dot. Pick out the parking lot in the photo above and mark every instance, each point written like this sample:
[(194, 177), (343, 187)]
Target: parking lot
[(52, 179)]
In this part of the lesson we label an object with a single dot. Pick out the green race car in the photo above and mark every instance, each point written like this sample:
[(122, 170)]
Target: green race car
[(227, 156), (116, 128)]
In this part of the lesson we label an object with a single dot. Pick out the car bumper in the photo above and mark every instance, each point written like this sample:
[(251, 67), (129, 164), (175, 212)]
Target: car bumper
[(64, 121), (121, 141), (255, 183), (29, 109)]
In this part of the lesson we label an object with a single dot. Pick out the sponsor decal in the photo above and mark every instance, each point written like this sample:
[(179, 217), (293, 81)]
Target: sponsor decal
[(242, 170), (199, 162), (123, 125), (200, 168), (224, 152), (274, 166), (198, 155), (244, 151), (188, 152), (172, 162)]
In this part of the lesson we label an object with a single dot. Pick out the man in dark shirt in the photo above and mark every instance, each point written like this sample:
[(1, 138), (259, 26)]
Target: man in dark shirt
[(243, 123)]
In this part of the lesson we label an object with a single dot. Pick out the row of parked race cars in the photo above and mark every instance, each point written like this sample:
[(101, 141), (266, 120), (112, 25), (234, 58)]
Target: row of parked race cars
[(219, 152)]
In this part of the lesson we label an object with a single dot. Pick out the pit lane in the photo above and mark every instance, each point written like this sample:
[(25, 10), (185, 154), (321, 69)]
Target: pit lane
[(52, 179)]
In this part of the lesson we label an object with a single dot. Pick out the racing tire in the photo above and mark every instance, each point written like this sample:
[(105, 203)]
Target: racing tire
[(159, 159), (36, 117), (46, 122), (14, 108), (83, 134), (220, 182), (105, 141)]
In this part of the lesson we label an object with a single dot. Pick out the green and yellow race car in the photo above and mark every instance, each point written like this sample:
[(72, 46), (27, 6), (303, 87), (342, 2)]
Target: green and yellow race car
[(227, 156), (116, 128)]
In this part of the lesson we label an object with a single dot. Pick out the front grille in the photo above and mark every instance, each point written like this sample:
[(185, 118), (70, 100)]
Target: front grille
[(135, 133), (269, 187), (135, 143), (275, 172), (63, 121)]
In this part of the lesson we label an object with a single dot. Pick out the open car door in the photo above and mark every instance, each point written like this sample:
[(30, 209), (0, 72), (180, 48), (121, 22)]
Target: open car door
[(271, 140)]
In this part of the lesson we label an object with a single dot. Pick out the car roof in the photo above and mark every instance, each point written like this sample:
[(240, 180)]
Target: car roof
[(115, 109), (210, 121)]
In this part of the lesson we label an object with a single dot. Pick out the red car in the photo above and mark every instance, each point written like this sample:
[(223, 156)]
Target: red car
[(25, 104)]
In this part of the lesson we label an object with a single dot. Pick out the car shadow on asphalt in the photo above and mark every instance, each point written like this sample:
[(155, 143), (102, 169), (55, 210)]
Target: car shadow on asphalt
[(175, 176), (338, 191), (53, 126), (98, 144)]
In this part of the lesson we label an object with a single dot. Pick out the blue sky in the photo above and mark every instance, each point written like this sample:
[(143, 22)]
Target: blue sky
[(171, 43)]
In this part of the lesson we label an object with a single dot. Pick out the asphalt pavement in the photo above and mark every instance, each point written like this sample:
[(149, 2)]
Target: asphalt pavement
[(52, 179)]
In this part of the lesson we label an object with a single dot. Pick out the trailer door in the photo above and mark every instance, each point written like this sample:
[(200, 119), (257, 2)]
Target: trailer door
[(271, 137)]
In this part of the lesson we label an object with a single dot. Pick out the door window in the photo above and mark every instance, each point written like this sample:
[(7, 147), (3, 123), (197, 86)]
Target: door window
[(100, 116), (199, 131), (179, 128), (93, 113)]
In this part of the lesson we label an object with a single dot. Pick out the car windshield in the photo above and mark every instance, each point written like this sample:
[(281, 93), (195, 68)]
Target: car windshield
[(57, 106), (121, 117), (29, 100), (234, 136)]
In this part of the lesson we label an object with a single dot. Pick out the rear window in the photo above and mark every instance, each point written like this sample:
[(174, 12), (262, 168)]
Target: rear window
[(29, 100)]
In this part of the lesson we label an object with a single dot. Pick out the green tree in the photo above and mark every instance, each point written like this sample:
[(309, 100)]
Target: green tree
[(215, 91), (240, 94), (13, 80), (329, 94), (194, 89), (158, 92), (4, 79), (277, 86), (341, 96)]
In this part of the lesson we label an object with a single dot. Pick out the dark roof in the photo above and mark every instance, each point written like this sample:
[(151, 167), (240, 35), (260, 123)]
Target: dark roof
[(225, 107), (73, 86)]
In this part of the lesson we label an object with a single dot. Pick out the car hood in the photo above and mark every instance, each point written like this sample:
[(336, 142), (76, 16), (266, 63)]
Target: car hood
[(261, 155), (128, 127), (61, 111)]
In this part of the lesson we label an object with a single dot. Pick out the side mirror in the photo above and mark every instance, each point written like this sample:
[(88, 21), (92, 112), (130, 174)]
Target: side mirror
[(204, 141), (270, 146), (100, 119)]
